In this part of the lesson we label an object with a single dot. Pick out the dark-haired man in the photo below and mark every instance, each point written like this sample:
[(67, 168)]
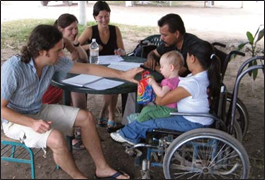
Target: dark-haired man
[(174, 37), (24, 80)]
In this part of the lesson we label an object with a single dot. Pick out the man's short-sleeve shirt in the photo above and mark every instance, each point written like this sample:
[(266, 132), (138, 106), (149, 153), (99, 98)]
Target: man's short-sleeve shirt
[(21, 86)]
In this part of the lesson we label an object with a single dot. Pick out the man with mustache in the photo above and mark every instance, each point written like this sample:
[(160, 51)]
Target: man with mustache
[(174, 37)]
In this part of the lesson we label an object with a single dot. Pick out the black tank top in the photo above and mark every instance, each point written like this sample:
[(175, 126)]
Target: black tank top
[(108, 49)]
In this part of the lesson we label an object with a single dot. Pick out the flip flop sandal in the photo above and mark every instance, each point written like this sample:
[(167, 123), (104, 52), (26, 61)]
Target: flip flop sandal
[(102, 123), (112, 124), (114, 176), (78, 146)]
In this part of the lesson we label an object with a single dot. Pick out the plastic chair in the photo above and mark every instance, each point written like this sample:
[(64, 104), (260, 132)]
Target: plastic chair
[(146, 45), (154, 39)]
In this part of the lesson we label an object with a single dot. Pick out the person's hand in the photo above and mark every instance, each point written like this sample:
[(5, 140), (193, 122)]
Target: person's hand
[(130, 74), (119, 52), (75, 41), (151, 81), (151, 63), (41, 126)]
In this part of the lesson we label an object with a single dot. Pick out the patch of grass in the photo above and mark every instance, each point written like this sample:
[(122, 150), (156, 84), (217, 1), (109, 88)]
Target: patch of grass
[(15, 33)]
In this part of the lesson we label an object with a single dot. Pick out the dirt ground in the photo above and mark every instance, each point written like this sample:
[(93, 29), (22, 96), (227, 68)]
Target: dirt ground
[(220, 23)]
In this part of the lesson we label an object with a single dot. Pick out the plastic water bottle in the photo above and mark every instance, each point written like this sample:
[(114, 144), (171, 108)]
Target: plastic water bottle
[(94, 52)]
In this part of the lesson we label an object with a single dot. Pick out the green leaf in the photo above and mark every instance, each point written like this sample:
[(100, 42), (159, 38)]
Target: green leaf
[(257, 31), (250, 72), (250, 37), (241, 46), (255, 74), (260, 35)]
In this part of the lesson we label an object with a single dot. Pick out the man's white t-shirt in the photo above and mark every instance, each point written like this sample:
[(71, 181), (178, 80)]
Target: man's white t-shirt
[(198, 102)]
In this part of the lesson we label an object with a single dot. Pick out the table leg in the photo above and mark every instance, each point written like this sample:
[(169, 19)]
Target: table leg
[(123, 102), (67, 101), (66, 98)]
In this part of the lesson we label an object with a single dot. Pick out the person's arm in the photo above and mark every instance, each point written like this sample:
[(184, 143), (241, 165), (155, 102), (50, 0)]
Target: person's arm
[(153, 60), (87, 35), (103, 71), (81, 52), (159, 91), (39, 126), (175, 95), (77, 52), (120, 50)]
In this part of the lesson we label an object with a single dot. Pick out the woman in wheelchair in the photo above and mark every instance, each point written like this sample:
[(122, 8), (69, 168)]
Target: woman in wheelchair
[(191, 96)]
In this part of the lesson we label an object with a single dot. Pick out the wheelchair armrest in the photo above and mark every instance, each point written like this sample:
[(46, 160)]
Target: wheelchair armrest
[(195, 115), (221, 123)]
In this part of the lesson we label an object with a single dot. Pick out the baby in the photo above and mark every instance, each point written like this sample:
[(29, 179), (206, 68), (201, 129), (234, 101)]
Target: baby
[(170, 64)]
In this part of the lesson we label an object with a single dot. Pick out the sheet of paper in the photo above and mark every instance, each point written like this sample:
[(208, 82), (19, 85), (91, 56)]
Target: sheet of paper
[(103, 84), (81, 80), (109, 59), (124, 66)]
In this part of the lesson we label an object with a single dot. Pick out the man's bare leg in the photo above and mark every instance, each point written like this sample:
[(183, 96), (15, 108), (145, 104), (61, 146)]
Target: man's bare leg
[(92, 143), (56, 141)]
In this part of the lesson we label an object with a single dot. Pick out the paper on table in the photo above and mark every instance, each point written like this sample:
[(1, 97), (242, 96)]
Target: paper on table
[(103, 84), (124, 66), (109, 59), (81, 79)]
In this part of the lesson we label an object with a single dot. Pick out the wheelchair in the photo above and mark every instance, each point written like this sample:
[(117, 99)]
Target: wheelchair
[(241, 115), (204, 153)]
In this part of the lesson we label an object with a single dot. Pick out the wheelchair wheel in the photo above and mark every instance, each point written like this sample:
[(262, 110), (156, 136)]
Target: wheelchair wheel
[(206, 153), (241, 114)]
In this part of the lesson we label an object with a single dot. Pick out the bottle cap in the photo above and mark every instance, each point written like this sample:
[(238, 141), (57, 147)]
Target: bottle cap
[(93, 40)]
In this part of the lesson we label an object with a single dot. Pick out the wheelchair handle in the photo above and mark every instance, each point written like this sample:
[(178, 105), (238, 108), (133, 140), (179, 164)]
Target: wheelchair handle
[(247, 62), (218, 44), (236, 53), (236, 87)]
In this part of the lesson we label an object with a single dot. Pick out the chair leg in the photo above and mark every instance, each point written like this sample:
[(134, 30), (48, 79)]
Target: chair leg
[(32, 163)]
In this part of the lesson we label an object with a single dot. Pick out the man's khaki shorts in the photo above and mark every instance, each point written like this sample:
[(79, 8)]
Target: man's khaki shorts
[(62, 117)]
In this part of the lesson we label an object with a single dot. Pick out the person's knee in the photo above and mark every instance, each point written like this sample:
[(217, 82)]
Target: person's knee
[(56, 140), (84, 119)]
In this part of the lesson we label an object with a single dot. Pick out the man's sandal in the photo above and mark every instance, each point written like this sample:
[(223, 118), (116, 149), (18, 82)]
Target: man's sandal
[(78, 146), (113, 177), (101, 123)]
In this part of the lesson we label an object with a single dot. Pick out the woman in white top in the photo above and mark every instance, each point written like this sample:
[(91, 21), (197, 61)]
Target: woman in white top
[(191, 96)]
